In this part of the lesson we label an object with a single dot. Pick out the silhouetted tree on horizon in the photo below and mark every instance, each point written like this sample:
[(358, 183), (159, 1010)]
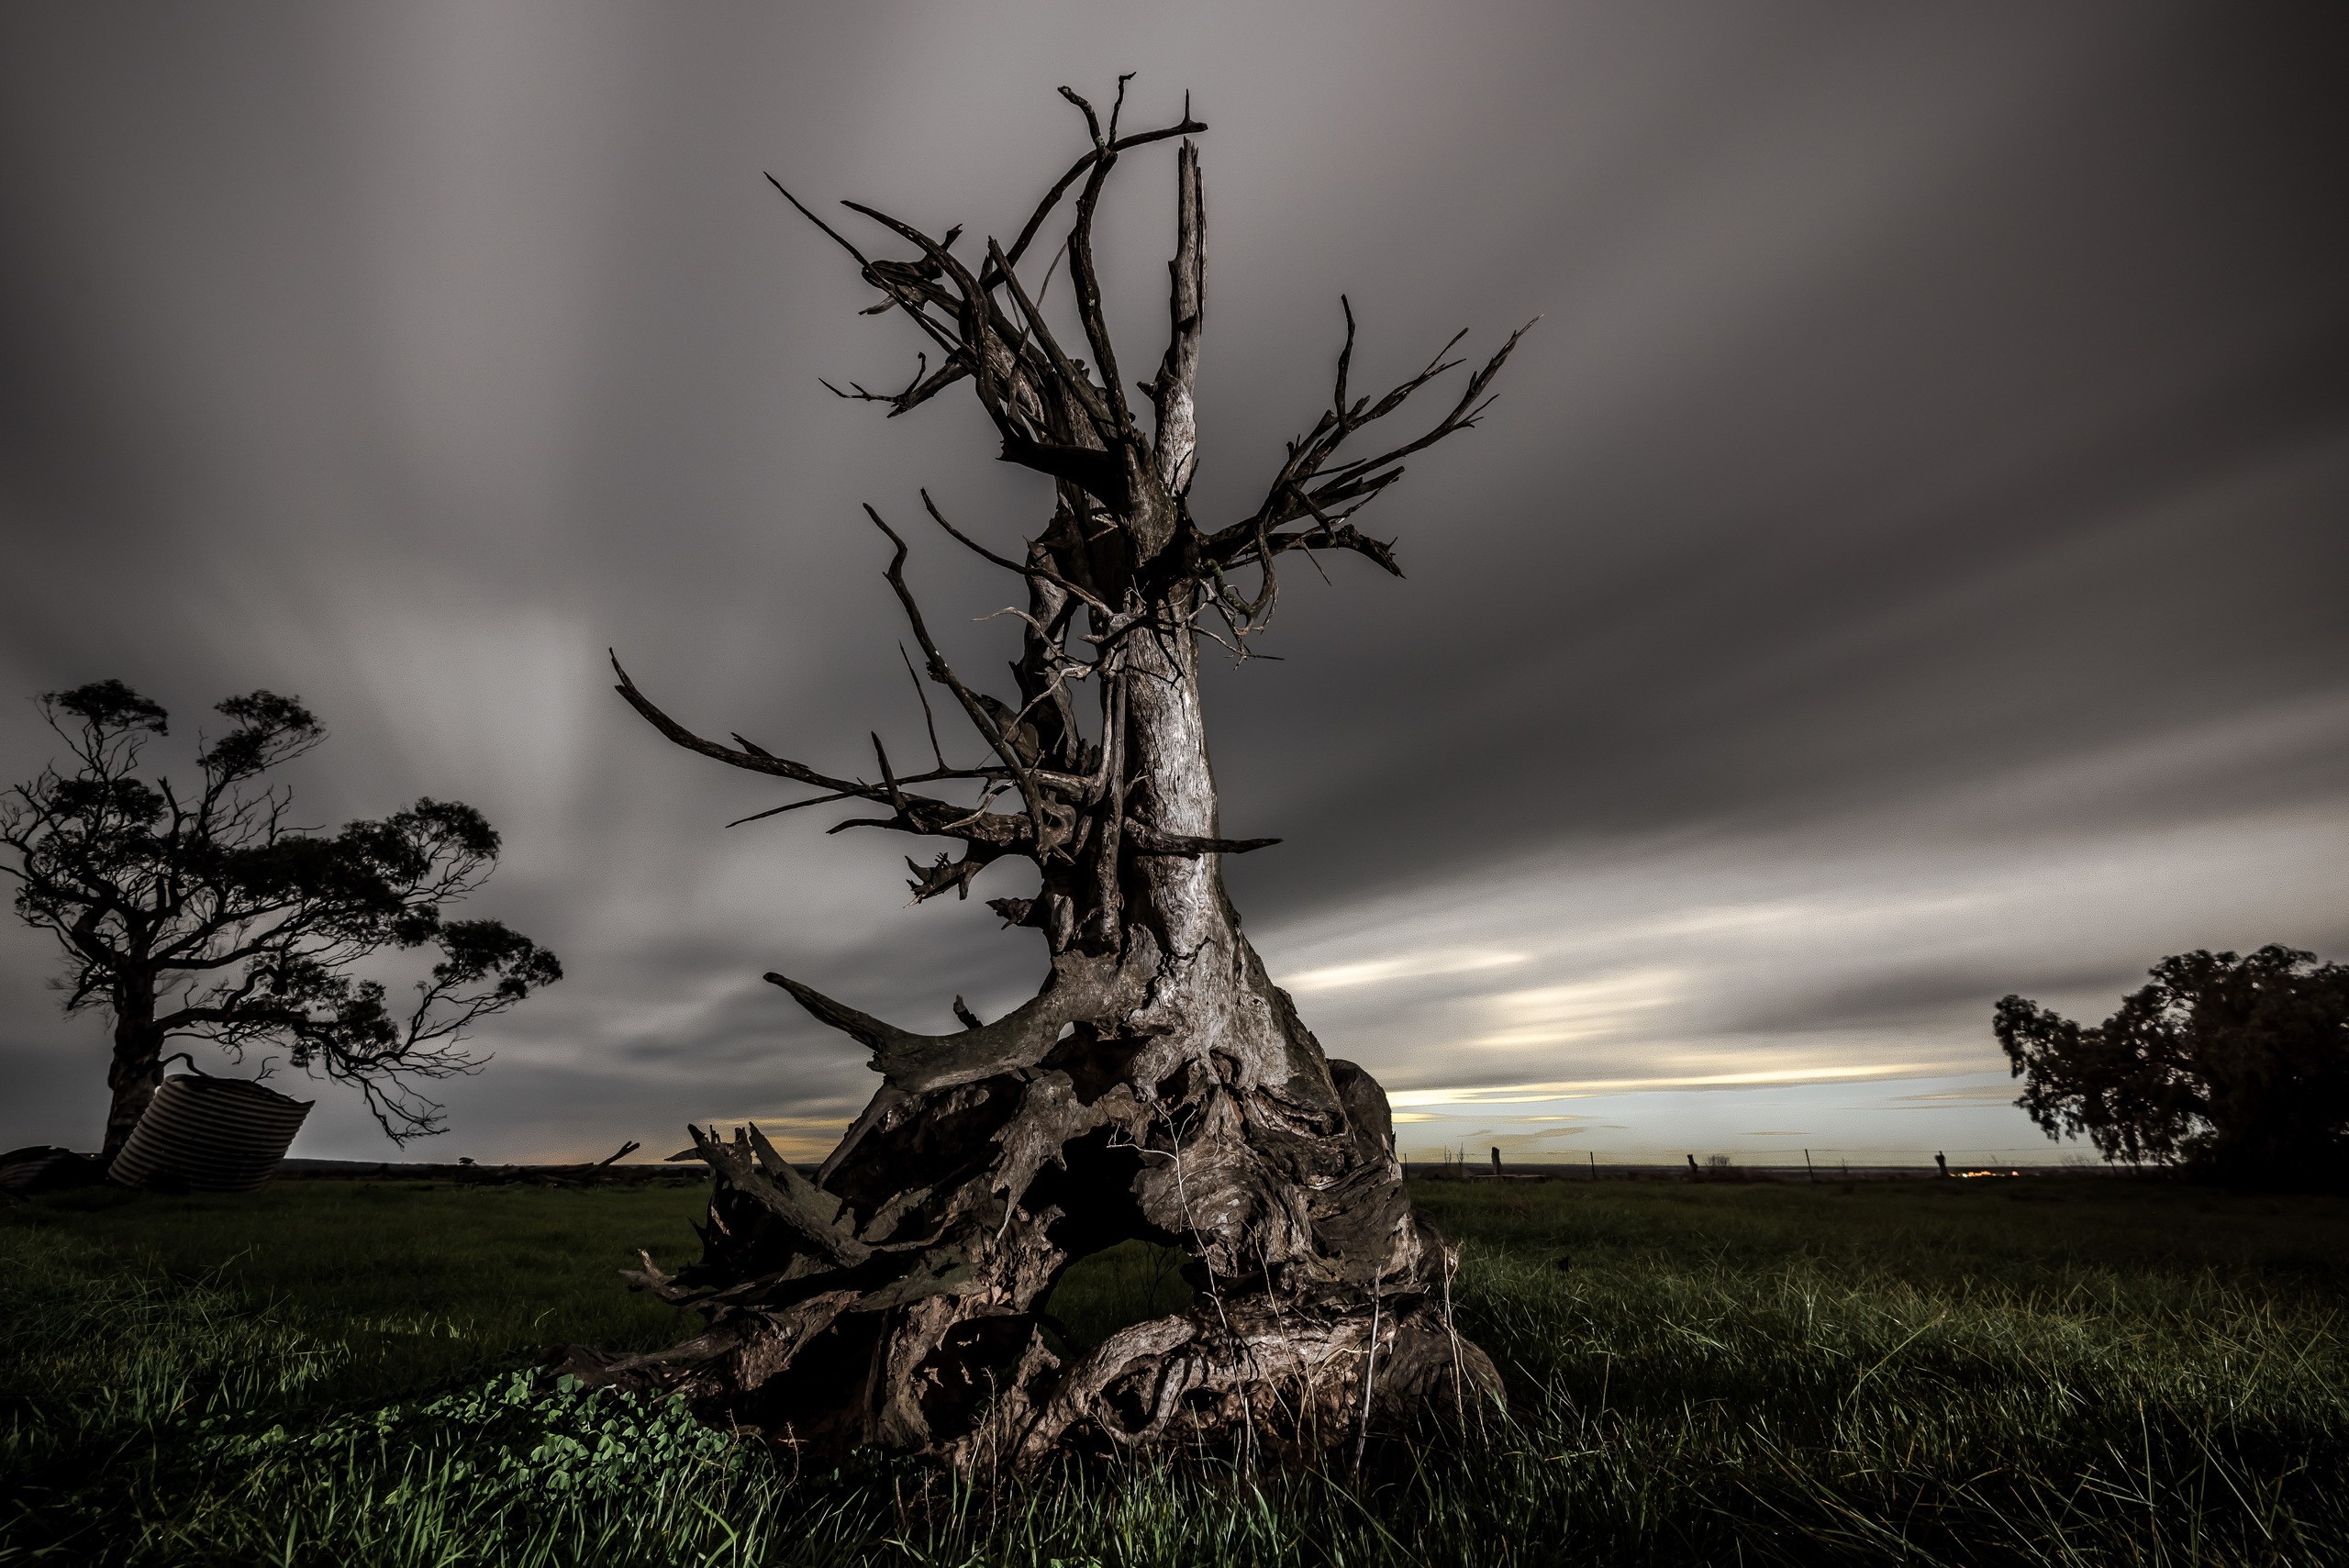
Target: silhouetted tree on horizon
[(209, 917), (2235, 1068)]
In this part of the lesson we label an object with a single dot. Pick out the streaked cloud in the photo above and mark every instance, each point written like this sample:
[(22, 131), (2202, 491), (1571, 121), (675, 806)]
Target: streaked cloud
[(1902, 569), (1382, 971), (1579, 1010)]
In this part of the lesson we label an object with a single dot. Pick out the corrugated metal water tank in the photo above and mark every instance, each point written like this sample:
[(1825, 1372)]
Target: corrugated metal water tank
[(209, 1134)]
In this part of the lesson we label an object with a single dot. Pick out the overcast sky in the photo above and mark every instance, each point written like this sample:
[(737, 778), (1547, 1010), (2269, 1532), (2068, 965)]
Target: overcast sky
[(1905, 566)]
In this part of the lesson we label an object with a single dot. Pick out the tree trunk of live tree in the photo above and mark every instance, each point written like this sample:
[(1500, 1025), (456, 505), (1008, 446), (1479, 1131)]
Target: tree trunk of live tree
[(1159, 1085), (137, 1070)]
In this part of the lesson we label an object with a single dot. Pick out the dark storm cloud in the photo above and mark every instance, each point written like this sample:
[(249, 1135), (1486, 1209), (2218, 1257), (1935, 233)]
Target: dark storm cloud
[(1904, 565)]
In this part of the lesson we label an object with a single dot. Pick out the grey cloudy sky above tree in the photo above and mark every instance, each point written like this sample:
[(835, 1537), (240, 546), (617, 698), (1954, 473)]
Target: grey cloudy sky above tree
[(1904, 567)]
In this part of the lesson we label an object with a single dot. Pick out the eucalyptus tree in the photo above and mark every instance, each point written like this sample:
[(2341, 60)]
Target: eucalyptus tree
[(207, 915), (2234, 1067), (1159, 1084)]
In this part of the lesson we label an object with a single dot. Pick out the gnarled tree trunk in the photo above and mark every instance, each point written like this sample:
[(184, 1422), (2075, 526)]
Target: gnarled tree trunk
[(1159, 1085)]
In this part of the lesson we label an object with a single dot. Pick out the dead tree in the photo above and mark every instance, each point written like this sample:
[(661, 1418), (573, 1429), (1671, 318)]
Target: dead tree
[(1159, 1085)]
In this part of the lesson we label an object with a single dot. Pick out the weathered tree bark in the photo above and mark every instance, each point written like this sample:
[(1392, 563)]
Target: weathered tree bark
[(1159, 1084)]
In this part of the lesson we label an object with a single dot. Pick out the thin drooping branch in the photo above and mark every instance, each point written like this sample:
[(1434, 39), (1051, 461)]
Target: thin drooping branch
[(929, 719)]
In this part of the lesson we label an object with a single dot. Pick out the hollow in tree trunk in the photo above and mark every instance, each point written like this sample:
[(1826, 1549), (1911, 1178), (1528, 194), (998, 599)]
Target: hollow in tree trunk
[(1159, 1085)]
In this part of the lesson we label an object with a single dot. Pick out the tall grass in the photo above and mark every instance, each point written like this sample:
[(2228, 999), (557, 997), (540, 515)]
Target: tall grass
[(1923, 1373)]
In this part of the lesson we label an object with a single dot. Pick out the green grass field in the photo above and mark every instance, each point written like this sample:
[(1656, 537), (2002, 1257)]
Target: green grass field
[(2042, 1371)]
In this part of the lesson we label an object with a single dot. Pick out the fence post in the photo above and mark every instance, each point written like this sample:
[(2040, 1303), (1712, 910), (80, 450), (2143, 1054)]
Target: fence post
[(1807, 1169)]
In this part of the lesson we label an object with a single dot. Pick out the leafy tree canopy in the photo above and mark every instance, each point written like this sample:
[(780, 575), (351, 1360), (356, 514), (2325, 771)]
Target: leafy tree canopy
[(2238, 1067), (207, 915)]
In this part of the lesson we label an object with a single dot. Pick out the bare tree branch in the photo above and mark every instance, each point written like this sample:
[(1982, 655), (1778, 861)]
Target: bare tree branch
[(922, 814), (1033, 568), (1031, 789), (1172, 394), (1185, 127), (1294, 494), (929, 719)]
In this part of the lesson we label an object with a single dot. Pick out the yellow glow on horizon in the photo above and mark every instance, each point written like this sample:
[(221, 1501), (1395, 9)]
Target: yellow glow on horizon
[(1533, 1093)]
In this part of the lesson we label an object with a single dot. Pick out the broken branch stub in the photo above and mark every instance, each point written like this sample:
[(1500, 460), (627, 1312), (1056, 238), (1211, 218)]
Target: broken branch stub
[(1158, 1085)]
